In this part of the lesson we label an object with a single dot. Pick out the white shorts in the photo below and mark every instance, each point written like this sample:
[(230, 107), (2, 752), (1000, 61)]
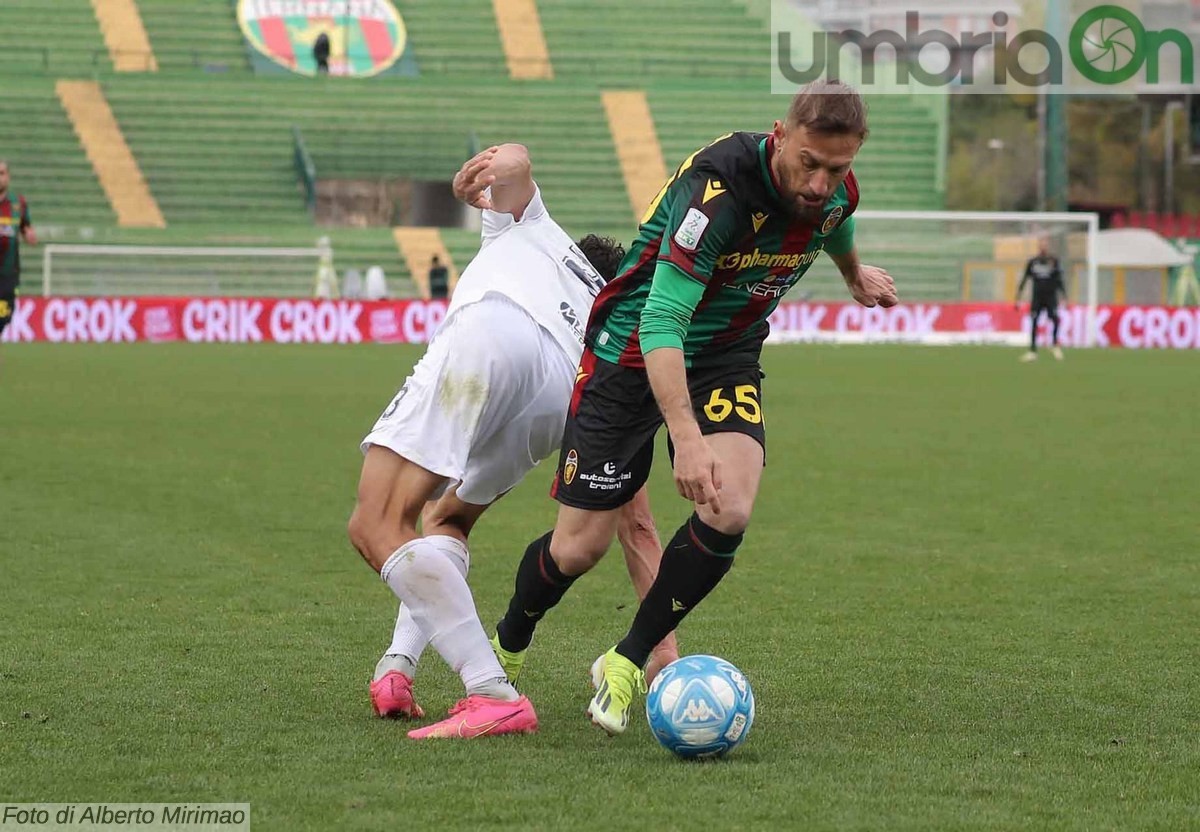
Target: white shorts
[(484, 405)]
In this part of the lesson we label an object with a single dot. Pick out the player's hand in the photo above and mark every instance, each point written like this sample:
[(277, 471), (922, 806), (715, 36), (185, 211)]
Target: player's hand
[(873, 286), (475, 177), (698, 473), (31, 236)]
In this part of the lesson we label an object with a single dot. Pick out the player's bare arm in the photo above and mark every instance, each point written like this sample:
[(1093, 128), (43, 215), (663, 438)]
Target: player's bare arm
[(869, 285), (697, 470), (505, 170), (474, 178), (512, 186)]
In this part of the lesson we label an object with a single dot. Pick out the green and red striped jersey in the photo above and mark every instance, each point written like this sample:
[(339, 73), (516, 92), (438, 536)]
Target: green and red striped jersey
[(718, 243), (14, 219)]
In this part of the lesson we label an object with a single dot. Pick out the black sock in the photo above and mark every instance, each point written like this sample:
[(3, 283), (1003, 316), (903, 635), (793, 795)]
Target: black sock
[(540, 585), (1054, 331), (693, 563), (1033, 322)]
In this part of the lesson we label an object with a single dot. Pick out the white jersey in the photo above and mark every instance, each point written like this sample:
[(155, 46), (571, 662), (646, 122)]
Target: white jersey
[(538, 267)]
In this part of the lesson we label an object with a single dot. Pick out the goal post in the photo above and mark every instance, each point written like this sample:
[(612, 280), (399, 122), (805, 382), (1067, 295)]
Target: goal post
[(229, 271), (969, 257)]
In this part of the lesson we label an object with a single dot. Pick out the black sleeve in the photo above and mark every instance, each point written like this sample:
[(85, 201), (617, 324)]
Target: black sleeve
[(1025, 278)]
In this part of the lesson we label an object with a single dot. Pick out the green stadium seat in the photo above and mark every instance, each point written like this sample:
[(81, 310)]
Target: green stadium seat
[(216, 147), (60, 38)]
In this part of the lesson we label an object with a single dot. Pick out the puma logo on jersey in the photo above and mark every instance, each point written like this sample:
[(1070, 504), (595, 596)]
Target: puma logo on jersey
[(712, 190)]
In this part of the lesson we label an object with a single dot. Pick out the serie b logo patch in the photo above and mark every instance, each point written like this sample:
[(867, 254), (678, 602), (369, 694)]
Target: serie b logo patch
[(570, 467), (831, 221)]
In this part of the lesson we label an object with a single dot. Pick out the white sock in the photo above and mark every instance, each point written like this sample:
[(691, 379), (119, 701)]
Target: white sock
[(409, 640), (428, 582)]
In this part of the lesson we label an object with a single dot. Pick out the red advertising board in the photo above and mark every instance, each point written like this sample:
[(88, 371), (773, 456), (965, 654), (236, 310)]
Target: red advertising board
[(302, 321)]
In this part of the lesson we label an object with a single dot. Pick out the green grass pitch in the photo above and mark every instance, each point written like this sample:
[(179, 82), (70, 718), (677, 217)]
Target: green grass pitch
[(969, 600)]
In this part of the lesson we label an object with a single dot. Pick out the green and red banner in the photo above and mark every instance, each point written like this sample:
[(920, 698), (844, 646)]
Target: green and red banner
[(366, 37)]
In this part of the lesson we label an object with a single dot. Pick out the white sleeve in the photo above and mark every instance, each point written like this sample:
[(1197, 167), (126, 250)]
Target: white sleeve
[(496, 223)]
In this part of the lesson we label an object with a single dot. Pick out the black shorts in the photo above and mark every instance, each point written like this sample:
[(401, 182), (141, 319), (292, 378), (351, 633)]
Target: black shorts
[(608, 441), (8, 305), (1040, 305)]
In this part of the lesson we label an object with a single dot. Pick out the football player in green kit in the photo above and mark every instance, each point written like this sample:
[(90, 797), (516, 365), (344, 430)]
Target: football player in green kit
[(676, 338)]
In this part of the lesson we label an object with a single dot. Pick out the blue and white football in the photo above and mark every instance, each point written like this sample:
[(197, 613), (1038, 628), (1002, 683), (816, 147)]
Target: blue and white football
[(700, 706)]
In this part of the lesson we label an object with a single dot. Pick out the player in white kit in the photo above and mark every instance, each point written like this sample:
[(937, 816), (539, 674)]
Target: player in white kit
[(483, 406)]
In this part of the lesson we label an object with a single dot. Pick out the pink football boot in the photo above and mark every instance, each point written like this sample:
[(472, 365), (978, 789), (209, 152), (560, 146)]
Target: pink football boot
[(481, 716), (392, 696)]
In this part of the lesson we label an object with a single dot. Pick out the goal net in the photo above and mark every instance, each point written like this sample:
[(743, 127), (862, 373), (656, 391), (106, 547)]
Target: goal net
[(967, 264), (182, 271)]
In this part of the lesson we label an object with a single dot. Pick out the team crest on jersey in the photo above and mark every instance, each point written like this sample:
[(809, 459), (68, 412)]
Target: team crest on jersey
[(831, 222), (571, 466)]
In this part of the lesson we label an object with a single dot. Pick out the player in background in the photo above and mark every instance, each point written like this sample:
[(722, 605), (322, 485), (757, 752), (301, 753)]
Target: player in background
[(1045, 272), (676, 337), (15, 226), (485, 404)]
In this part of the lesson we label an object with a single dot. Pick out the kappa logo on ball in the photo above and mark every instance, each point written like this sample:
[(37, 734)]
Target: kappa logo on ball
[(698, 711), (571, 466), (831, 222)]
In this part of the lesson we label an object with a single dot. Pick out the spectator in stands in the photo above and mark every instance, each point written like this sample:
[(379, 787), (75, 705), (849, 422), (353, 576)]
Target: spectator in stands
[(439, 280), (15, 226), (321, 53)]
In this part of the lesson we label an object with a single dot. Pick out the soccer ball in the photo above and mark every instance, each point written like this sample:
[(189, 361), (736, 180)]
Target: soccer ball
[(700, 706)]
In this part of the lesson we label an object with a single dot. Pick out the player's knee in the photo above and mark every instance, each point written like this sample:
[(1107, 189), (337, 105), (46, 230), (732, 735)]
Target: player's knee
[(374, 539), (358, 529), (733, 519), (578, 552), (575, 560)]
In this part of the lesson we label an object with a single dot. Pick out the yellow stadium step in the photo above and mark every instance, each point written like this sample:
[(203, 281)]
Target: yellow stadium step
[(636, 142), (111, 158), (418, 246), (523, 40), (125, 36)]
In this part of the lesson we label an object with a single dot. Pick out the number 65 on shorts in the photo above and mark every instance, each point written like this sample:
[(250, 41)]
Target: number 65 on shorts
[(608, 441)]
